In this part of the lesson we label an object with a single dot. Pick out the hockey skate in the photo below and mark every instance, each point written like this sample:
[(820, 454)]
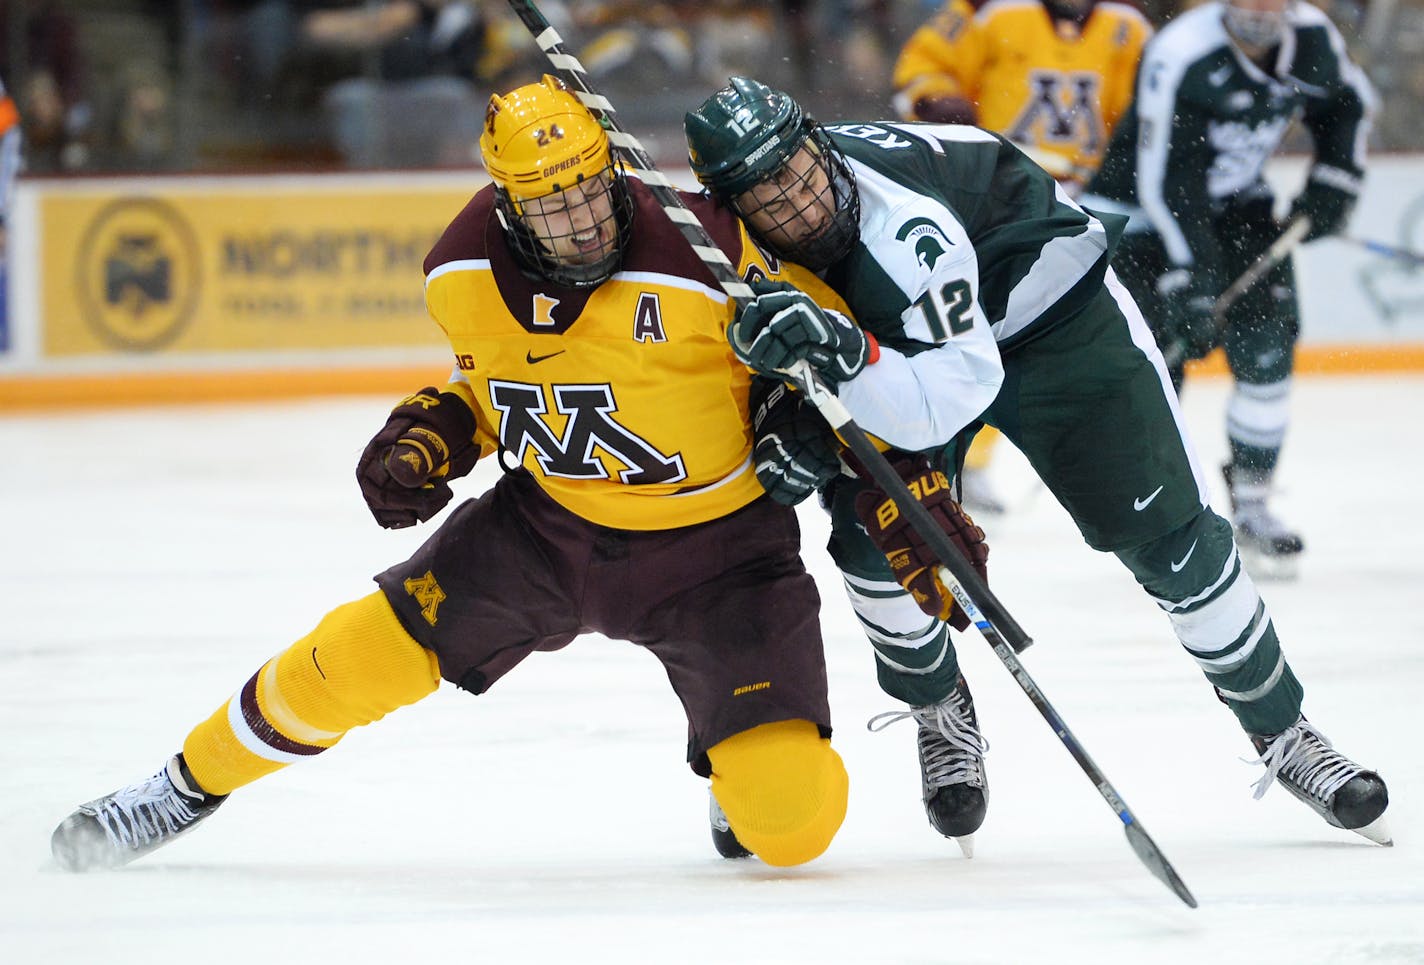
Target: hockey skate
[(723, 837), (1301, 759), (132, 821), (1270, 549), (952, 776)]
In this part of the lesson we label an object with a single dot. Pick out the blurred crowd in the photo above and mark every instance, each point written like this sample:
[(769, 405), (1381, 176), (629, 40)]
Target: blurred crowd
[(250, 85)]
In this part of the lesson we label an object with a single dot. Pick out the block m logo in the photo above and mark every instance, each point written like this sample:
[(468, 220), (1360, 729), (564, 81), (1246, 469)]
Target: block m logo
[(589, 429), (1062, 109)]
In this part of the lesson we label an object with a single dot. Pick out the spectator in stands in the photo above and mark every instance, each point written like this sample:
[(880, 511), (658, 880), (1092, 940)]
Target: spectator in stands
[(47, 80), (412, 101)]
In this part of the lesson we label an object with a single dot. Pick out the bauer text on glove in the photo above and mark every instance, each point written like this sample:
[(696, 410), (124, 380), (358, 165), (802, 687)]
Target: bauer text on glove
[(404, 470), (912, 560), (794, 450)]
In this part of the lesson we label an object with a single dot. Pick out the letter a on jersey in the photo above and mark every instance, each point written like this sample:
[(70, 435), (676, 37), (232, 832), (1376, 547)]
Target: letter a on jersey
[(648, 319)]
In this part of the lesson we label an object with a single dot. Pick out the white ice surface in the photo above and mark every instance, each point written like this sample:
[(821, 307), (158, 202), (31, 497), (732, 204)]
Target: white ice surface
[(151, 559)]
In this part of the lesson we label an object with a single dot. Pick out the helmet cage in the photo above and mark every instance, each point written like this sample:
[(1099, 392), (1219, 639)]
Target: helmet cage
[(1254, 28), (536, 235), (837, 196)]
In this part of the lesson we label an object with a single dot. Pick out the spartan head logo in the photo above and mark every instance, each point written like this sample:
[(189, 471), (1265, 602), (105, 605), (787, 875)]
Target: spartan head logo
[(929, 241)]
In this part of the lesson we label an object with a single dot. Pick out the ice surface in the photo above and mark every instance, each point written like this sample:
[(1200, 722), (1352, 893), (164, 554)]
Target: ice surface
[(152, 559)]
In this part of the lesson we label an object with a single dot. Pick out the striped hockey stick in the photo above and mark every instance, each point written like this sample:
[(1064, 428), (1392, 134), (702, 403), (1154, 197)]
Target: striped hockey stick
[(988, 614), (572, 72)]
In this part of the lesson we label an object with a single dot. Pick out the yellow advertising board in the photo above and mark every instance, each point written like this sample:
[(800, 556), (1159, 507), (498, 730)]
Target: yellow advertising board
[(217, 270)]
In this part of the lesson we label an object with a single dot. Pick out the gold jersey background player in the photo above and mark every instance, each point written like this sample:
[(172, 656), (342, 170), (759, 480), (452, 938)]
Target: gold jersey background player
[(1053, 76), (592, 353)]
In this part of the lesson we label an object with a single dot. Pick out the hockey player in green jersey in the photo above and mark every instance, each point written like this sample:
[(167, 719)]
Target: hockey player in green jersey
[(1217, 89), (982, 293)]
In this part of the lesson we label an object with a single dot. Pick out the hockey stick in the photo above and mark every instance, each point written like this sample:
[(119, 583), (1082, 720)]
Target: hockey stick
[(572, 72), (1411, 258), (1278, 252), (958, 576)]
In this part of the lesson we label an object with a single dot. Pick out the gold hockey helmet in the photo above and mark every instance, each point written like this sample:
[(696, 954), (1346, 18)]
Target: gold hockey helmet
[(538, 141)]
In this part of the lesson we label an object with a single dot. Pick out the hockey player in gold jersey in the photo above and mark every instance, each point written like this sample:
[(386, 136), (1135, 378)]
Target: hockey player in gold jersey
[(1054, 76), (591, 352)]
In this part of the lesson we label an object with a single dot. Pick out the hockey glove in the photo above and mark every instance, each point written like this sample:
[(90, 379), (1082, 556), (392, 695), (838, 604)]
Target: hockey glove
[(782, 326), (794, 451), (1191, 319), (915, 565), (945, 109), (1327, 207), (404, 471)]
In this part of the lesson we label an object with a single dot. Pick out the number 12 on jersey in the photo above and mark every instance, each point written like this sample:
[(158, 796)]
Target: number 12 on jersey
[(949, 314)]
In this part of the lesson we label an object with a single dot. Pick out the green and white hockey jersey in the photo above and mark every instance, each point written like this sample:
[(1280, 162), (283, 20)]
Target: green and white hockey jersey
[(1205, 119), (967, 248)]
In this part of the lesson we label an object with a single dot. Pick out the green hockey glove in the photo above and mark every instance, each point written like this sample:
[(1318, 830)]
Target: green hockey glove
[(782, 326), (1190, 321), (794, 451), (1328, 208)]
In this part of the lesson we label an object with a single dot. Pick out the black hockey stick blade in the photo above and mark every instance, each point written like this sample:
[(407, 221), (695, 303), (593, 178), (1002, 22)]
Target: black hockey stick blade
[(1157, 862)]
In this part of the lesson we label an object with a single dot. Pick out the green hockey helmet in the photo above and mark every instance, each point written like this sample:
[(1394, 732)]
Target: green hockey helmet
[(745, 135)]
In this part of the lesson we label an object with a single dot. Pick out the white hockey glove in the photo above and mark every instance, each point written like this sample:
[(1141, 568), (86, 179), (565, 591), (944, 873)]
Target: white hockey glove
[(782, 326)]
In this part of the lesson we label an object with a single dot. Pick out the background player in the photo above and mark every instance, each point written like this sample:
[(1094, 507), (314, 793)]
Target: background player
[(1053, 76), (1218, 90)]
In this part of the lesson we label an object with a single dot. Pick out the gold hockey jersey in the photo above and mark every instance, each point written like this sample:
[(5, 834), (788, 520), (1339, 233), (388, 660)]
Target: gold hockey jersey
[(625, 401), (1055, 86)]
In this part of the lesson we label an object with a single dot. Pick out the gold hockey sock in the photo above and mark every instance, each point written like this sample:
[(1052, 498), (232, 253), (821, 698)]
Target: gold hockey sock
[(358, 665), (981, 450)]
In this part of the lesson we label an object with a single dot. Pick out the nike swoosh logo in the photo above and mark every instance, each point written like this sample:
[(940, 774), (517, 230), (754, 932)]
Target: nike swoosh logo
[(1177, 567), (533, 359), (1141, 504)]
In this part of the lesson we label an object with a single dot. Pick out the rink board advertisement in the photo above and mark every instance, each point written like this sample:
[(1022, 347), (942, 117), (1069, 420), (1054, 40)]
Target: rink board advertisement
[(208, 276), (236, 271)]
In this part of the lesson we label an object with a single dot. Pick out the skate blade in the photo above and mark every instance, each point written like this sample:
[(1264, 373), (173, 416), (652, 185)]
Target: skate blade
[(1377, 831), (966, 844)]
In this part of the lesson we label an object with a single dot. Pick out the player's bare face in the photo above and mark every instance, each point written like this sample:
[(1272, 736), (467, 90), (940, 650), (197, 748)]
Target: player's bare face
[(794, 205), (576, 226)]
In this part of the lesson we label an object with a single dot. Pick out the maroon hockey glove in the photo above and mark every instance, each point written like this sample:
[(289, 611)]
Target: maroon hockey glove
[(911, 560), (945, 109), (404, 471)]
